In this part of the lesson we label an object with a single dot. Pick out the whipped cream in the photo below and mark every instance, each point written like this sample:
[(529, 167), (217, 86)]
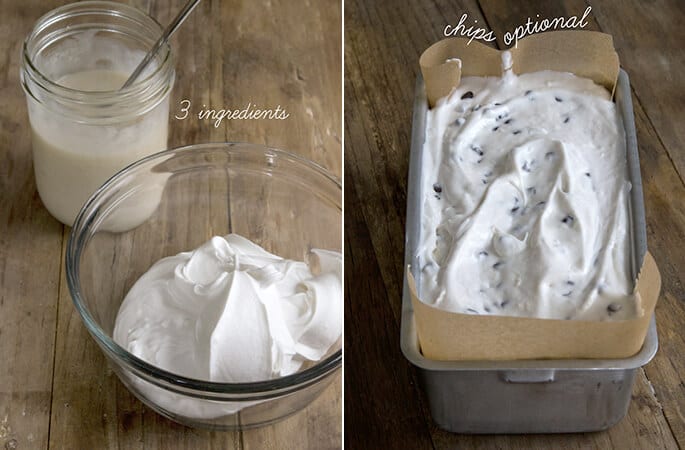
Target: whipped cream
[(231, 312), (525, 209)]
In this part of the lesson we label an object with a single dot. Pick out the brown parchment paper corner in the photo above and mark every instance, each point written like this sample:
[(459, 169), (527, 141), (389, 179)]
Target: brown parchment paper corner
[(448, 336), (588, 54)]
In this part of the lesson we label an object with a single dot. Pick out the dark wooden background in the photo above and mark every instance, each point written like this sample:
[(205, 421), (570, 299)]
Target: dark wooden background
[(56, 390), (384, 406)]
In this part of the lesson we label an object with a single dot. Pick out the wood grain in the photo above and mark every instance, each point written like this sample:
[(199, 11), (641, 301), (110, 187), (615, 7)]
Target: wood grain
[(28, 287), (56, 390), (383, 43), (653, 56)]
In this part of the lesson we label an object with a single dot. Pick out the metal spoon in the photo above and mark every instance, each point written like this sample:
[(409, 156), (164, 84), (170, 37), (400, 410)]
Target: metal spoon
[(173, 26)]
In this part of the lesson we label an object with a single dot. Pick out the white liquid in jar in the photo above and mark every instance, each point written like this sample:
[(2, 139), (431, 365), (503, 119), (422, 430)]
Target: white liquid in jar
[(96, 80), (73, 159)]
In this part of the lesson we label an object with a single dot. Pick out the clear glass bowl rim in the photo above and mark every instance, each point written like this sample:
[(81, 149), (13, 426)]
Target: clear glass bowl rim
[(260, 389)]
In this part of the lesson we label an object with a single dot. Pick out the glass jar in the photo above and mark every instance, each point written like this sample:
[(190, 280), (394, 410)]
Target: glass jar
[(84, 128)]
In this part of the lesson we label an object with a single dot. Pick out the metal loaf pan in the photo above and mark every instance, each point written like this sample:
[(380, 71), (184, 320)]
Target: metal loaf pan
[(525, 396)]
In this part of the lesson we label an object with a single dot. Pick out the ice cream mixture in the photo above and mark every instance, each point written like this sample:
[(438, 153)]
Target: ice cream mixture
[(230, 311), (525, 209)]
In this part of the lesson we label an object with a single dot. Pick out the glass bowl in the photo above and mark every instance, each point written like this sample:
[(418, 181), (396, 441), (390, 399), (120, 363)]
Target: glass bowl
[(175, 201)]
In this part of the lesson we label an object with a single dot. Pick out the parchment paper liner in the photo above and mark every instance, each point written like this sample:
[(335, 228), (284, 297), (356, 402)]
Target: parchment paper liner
[(452, 336), (588, 54)]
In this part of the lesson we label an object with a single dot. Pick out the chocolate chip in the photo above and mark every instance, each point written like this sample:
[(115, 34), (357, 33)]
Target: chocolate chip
[(477, 150), (558, 99), (531, 190), (516, 132), (483, 253), (587, 174), (568, 220), (549, 155), (487, 310), (504, 303), (495, 129), (614, 307), (508, 121), (528, 92), (471, 310), (570, 283), (479, 161), (527, 167), (467, 94), (497, 103), (567, 294), (497, 265), (567, 119), (514, 209), (484, 181), (437, 188)]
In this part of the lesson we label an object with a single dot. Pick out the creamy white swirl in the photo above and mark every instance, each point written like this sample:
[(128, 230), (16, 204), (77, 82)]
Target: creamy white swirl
[(230, 311), (525, 200)]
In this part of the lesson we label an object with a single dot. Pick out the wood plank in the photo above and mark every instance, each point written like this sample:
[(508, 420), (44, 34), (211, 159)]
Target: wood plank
[(30, 242), (301, 73), (319, 426), (665, 210), (382, 404), (649, 40)]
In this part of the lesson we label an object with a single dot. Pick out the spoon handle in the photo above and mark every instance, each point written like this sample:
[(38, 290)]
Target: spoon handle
[(170, 29)]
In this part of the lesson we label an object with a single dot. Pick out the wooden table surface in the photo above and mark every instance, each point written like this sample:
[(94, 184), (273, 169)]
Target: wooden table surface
[(384, 406), (56, 390)]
